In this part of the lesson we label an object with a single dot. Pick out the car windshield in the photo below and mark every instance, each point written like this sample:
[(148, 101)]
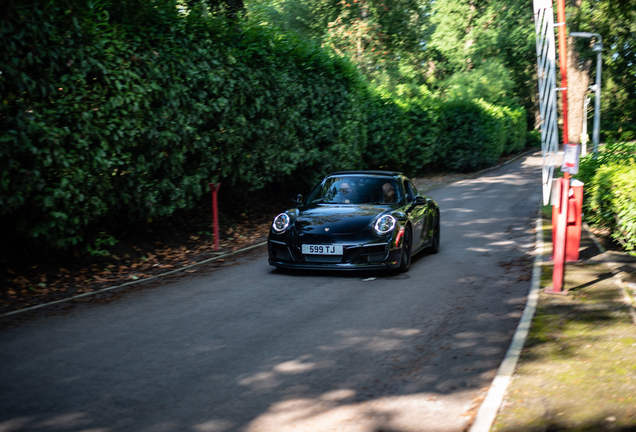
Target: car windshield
[(356, 190)]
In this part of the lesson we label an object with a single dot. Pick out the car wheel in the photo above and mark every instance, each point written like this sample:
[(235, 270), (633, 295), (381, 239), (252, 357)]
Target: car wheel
[(405, 262), (436, 235)]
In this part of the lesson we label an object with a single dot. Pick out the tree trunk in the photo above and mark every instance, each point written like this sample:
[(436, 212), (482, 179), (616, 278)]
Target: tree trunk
[(578, 83)]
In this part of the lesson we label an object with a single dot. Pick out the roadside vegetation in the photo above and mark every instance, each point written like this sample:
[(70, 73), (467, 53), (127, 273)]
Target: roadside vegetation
[(116, 113), (610, 192)]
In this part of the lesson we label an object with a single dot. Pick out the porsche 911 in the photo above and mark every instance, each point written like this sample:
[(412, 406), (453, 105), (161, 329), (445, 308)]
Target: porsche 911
[(356, 220)]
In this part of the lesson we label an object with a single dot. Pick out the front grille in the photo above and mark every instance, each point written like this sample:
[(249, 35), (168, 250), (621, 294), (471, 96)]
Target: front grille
[(279, 251), (324, 258), (350, 254), (376, 257), (373, 253), (374, 249)]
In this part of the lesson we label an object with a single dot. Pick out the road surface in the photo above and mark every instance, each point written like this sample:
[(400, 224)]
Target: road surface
[(250, 348)]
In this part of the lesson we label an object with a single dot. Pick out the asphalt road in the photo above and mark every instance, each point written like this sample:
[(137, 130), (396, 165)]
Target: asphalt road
[(250, 348)]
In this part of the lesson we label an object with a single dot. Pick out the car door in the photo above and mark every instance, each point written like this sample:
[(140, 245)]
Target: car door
[(418, 215)]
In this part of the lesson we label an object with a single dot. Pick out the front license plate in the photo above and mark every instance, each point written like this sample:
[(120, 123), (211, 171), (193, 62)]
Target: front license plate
[(322, 250)]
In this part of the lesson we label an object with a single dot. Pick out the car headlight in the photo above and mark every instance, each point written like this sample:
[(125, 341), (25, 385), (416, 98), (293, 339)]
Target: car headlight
[(385, 224), (281, 222)]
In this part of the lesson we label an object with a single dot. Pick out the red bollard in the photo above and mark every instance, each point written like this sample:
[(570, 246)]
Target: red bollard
[(559, 233), (214, 188), (575, 206)]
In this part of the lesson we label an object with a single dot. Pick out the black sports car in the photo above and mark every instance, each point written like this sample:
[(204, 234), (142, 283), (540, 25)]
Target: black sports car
[(356, 220)]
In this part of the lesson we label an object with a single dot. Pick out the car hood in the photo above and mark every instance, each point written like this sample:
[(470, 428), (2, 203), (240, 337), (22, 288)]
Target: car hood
[(335, 219)]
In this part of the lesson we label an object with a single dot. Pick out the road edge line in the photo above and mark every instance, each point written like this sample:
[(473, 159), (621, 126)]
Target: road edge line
[(15, 312), (489, 408)]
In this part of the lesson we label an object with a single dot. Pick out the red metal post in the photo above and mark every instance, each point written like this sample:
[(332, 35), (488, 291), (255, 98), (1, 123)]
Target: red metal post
[(573, 235), (560, 239), (563, 66), (214, 188)]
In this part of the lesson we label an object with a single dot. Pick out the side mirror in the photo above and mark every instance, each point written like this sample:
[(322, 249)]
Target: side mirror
[(299, 199), (418, 201)]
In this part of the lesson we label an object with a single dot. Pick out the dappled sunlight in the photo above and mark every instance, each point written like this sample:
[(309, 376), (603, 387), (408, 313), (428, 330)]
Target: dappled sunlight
[(482, 222), (384, 340), (459, 210), (334, 411), (76, 420), (271, 379), (425, 393), (295, 367), (15, 424), (214, 426), (502, 243), (511, 179), (300, 398), (412, 379), (474, 249)]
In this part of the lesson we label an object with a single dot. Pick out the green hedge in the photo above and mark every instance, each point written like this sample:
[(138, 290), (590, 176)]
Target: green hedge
[(108, 121), (471, 135), (516, 132), (124, 111), (401, 138), (610, 191)]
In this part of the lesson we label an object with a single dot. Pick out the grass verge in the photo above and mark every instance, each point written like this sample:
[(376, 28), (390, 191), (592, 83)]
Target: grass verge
[(577, 371)]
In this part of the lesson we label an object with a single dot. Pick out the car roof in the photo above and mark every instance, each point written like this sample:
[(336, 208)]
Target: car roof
[(378, 173)]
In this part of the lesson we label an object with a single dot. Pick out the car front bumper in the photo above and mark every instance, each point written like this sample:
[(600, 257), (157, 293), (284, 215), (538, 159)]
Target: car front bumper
[(368, 256)]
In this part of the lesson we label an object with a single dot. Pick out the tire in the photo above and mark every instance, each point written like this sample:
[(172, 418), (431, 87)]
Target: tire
[(436, 235), (407, 244)]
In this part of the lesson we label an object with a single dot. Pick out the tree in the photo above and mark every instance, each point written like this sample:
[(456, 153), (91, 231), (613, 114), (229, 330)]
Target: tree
[(377, 35), (615, 21), (470, 33), (490, 81)]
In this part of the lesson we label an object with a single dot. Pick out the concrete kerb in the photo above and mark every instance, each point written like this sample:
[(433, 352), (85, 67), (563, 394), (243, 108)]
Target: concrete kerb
[(489, 408), (15, 312)]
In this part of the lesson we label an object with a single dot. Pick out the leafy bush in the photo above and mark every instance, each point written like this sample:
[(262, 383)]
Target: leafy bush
[(533, 138), (610, 154), (490, 81), (516, 129), (613, 200), (618, 132), (108, 120), (471, 134), (401, 137), (610, 191)]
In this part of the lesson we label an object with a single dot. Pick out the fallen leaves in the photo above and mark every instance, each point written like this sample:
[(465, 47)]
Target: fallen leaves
[(148, 261)]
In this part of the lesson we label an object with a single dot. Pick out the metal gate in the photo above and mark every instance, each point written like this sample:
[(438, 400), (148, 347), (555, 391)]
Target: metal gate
[(546, 68)]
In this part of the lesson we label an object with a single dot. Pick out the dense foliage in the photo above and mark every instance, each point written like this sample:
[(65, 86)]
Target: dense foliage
[(615, 21), (124, 111), (104, 120), (476, 50), (610, 191)]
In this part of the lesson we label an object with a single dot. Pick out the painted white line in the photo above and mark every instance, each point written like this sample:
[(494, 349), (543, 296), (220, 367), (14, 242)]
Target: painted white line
[(490, 407), (133, 282)]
